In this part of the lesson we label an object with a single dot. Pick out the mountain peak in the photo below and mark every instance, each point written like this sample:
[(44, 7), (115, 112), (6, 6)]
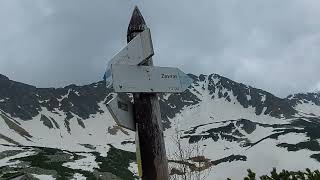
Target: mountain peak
[(3, 77)]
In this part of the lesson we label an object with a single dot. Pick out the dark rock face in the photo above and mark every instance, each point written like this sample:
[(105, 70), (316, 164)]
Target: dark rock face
[(227, 132), (230, 159), (18, 99), (3, 78), (246, 125), (79, 100), (249, 96), (15, 126), (25, 101), (300, 98), (224, 88), (175, 103), (46, 121)]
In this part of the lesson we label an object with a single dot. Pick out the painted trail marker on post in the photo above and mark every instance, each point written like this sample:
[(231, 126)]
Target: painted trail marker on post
[(149, 79)]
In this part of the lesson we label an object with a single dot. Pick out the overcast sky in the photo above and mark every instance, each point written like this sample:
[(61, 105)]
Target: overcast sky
[(273, 45)]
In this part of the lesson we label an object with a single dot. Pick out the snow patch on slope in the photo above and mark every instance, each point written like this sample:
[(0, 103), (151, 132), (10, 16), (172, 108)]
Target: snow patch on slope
[(95, 133), (292, 138), (78, 176), (133, 167), (261, 161), (309, 108), (87, 163), (43, 177)]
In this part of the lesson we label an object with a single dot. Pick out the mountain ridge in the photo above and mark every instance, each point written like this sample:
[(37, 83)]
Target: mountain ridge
[(240, 90), (231, 119)]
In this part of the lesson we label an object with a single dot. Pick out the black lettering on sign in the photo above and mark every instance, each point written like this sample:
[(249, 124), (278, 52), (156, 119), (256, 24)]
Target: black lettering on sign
[(174, 88), (123, 106), (169, 76)]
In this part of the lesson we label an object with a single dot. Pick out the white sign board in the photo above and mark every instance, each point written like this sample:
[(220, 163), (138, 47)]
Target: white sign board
[(137, 51), (149, 79), (121, 110)]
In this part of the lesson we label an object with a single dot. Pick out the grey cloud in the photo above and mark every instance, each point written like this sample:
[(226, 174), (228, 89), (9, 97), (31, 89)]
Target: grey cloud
[(272, 45)]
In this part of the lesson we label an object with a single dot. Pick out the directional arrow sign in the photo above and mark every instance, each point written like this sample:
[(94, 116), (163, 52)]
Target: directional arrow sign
[(121, 110), (149, 79), (137, 51)]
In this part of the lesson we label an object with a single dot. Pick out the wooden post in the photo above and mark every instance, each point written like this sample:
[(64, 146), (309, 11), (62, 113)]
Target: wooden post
[(148, 119)]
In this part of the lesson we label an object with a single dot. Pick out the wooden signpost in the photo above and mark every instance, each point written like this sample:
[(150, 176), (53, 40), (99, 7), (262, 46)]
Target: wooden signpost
[(132, 71)]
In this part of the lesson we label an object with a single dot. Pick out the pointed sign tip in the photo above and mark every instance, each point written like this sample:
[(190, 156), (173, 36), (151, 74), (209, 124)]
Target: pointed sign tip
[(136, 18), (136, 8), (137, 24)]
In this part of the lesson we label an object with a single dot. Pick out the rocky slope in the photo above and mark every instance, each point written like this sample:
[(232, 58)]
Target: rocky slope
[(235, 126)]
